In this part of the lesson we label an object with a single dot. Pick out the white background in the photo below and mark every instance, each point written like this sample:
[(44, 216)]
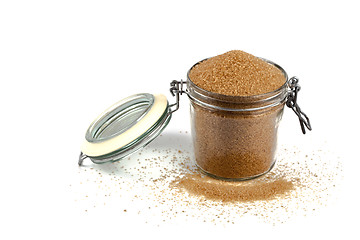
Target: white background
[(63, 62)]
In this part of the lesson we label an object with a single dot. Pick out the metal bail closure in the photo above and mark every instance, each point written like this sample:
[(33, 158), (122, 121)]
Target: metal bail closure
[(176, 89), (292, 103), (125, 127)]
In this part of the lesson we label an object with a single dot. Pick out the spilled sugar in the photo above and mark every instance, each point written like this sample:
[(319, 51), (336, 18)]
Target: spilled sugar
[(264, 188), (162, 185)]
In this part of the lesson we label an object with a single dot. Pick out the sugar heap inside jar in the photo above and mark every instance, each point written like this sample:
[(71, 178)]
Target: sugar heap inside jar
[(237, 142)]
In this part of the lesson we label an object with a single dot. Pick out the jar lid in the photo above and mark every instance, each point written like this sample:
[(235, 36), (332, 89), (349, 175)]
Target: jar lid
[(125, 127)]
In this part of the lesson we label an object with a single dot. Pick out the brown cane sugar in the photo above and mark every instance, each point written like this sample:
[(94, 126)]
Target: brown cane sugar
[(236, 144), (301, 185), (265, 188), (237, 73)]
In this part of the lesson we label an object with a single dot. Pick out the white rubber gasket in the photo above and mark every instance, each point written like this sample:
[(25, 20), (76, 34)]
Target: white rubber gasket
[(95, 149)]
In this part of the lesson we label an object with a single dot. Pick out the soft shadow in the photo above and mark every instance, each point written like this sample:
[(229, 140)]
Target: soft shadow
[(175, 141), (171, 140)]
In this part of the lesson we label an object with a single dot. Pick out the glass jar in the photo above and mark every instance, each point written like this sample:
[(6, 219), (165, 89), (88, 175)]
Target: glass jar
[(235, 137)]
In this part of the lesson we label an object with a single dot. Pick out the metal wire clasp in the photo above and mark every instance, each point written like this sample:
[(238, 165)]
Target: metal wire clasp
[(81, 158), (176, 89), (291, 102)]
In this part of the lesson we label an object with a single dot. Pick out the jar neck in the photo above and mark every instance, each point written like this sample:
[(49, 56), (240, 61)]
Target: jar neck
[(223, 102)]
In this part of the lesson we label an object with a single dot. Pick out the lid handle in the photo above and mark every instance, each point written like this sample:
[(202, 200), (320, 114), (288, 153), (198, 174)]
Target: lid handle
[(176, 89), (291, 102)]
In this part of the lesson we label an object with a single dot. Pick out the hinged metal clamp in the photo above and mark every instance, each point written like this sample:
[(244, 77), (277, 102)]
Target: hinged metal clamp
[(176, 89), (291, 102)]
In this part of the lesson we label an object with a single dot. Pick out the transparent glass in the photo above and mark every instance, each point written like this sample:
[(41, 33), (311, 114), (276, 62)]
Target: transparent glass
[(121, 117), (235, 137)]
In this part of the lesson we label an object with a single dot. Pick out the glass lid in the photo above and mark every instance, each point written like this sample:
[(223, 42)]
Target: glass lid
[(125, 127)]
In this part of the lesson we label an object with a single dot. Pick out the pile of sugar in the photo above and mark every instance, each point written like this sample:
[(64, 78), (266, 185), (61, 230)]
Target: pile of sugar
[(146, 186), (237, 73), (265, 188)]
